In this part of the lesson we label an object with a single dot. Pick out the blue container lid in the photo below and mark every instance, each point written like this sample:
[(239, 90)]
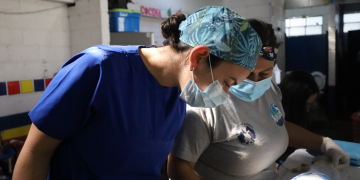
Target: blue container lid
[(125, 10), (120, 10)]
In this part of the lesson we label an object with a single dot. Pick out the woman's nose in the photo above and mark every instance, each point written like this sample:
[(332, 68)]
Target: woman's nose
[(254, 77)]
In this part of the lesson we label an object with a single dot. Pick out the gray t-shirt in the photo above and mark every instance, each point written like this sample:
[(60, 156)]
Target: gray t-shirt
[(235, 141)]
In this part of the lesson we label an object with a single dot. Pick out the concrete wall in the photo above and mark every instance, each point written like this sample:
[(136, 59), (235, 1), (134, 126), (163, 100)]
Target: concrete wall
[(37, 37), (294, 4), (150, 24), (89, 24), (32, 46)]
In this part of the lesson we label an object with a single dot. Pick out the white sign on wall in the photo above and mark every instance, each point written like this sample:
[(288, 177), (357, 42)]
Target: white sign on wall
[(153, 11)]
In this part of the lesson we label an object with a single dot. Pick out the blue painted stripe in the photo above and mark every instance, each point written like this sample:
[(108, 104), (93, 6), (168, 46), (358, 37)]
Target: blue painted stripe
[(3, 89), (14, 121), (39, 85)]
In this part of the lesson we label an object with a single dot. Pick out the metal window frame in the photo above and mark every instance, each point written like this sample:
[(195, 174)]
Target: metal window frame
[(288, 28)]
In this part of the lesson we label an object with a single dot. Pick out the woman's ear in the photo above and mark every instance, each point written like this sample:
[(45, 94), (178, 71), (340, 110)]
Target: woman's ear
[(198, 54)]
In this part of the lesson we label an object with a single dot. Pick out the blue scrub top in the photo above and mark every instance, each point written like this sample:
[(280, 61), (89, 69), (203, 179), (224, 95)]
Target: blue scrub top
[(114, 119)]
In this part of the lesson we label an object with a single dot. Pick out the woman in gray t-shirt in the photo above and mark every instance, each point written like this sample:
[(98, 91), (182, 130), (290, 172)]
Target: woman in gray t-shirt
[(242, 138)]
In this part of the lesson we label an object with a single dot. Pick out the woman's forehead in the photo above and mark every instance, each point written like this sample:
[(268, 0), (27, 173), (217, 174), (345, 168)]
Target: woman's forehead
[(263, 65)]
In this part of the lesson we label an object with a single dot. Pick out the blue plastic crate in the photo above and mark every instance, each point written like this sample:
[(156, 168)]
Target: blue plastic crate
[(124, 20)]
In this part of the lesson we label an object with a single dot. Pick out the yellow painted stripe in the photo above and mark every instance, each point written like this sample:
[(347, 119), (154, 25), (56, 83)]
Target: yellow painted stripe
[(27, 86), (15, 132)]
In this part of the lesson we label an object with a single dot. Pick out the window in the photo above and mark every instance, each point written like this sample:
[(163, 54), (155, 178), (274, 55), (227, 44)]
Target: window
[(299, 26), (351, 22)]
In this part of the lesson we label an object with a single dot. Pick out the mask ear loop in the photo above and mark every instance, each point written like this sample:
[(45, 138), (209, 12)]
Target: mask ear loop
[(192, 74), (212, 76)]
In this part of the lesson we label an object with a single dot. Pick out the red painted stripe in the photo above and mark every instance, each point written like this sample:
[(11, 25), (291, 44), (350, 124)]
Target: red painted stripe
[(13, 87), (47, 82)]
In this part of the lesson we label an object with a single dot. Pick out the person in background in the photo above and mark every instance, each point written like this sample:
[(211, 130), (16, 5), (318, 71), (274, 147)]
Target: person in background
[(299, 91), (112, 112), (242, 138)]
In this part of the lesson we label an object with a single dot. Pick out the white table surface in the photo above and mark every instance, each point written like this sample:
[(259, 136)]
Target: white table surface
[(301, 156)]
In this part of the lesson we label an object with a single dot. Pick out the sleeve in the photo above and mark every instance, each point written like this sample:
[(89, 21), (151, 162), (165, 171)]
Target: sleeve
[(64, 108), (193, 137)]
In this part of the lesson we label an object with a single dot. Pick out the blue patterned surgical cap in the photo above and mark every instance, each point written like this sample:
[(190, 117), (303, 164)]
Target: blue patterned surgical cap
[(228, 35)]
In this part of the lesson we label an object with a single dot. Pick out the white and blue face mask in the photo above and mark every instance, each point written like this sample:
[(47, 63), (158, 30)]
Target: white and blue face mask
[(213, 96), (249, 90)]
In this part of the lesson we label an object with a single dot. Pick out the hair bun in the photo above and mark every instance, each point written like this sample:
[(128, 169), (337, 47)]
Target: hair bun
[(170, 27), (266, 32)]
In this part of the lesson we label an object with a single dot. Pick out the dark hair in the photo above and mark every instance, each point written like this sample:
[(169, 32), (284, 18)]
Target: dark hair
[(170, 31), (266, 32), (296, 88)]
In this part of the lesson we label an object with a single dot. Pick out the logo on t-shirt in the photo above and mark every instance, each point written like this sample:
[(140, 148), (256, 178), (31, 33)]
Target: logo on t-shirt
[(246, 134), (276, 115)]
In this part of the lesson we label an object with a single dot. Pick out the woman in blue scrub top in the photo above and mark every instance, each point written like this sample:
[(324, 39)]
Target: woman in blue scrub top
[(112, 112)]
